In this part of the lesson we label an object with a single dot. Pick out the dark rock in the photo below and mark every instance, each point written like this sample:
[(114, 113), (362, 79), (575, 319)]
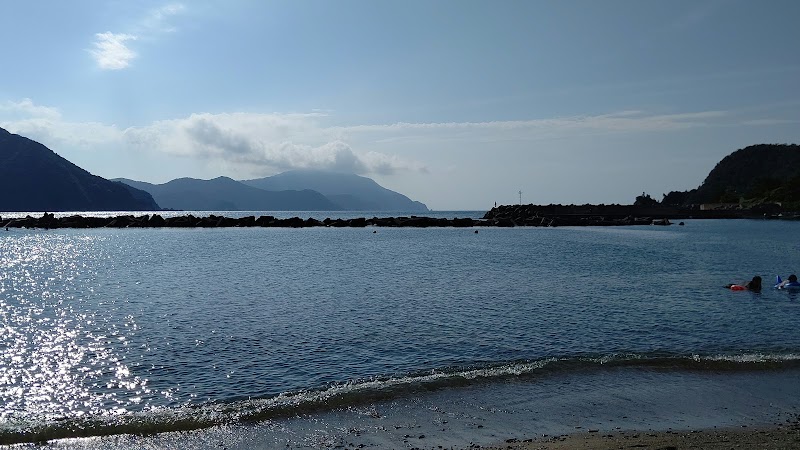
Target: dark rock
[(504, 222), (156, 221), (294, 222), (265, 221), (311, 222), (48, 220), (359, 222), (119, 222), (74, 221), (466, 222), (249, 221), (181, 221)]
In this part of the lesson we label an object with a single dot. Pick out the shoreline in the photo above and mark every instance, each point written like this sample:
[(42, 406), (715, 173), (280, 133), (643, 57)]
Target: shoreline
[(614, 408), (777, 436)]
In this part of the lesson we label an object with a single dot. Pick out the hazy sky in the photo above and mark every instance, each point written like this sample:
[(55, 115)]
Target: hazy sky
[(457, 104)]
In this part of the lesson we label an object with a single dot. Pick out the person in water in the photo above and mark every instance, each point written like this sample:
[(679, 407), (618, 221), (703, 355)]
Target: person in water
[(752, 285), (792, 280)]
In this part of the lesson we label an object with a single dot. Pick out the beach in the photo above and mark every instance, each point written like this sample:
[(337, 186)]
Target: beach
[(616, 408), (778, 436)]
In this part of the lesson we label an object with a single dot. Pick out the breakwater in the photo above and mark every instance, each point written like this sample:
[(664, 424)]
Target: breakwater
[(578, 215), (609, 215), (504, 216), (49, 220)]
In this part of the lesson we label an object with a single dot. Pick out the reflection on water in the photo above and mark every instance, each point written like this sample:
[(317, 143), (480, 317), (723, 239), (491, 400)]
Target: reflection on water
[(57, 357)]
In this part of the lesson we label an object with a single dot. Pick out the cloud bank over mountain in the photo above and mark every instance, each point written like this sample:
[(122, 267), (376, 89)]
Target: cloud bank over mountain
[(261, 142), (249, 145)]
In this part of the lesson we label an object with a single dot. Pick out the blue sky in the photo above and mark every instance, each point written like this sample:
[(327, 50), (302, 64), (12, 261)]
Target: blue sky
[(457, 104)]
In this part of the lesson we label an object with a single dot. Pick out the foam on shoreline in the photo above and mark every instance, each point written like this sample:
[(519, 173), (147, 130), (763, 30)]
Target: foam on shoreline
[(484, 414)]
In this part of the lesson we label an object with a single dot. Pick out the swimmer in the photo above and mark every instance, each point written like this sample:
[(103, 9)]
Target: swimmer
[(752, 285)]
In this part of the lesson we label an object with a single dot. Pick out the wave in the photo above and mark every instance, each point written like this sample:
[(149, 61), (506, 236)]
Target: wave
[(360, 392)]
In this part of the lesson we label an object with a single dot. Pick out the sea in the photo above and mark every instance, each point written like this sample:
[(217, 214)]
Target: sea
[(391, 337)]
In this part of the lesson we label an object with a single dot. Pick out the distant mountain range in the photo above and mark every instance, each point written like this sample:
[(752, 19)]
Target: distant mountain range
[(226, 194), (297, 190), (350, 192), (37, 179)]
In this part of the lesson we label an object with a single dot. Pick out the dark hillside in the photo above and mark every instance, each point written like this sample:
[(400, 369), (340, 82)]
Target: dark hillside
[(225, 194), (767, 172), (350, 191), (37, 179)]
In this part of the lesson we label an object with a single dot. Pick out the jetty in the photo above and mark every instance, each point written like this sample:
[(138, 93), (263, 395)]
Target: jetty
[(499, 216)]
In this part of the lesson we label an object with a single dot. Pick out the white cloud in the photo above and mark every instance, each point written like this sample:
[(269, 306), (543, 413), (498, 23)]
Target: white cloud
[(621, 121), (388, 164), (25, 109), (110, 51), (46, 125), (767, 122), (262, 143), (156, 20)]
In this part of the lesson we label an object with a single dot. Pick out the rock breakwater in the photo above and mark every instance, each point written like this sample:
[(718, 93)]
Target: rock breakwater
[(579, 215), (504, 216), (49, 221)]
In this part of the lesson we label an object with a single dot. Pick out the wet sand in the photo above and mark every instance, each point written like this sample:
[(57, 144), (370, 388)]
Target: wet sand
[(618, 408), (780, 436)]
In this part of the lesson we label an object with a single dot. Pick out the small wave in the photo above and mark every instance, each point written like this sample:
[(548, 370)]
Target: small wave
[(360, 392), (755, 358)]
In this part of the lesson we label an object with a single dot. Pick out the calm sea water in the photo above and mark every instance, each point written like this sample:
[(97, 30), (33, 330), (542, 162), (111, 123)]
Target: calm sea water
[(138, 330)]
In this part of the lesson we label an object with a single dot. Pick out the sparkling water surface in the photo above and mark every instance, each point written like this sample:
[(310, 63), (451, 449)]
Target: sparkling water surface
[(109, 322)]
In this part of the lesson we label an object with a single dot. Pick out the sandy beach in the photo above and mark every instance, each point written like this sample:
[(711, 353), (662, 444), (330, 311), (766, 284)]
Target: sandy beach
[(779, 436), (599, 410)]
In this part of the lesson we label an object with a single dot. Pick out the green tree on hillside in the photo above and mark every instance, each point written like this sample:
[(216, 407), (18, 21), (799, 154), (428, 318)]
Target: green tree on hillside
[(676, 198), (749, 173)]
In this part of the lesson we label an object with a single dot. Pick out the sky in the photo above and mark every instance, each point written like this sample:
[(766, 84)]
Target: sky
[(455, 103)]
